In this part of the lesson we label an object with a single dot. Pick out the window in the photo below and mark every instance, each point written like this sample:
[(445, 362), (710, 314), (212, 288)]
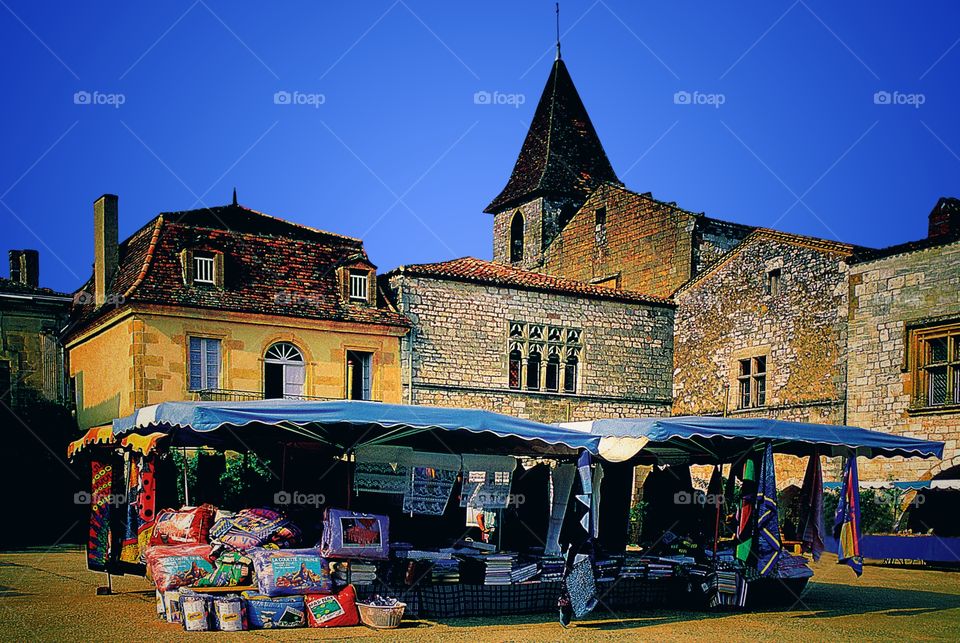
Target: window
[(204, 271), (358, 285), (284, 372), (359, 381), (204, 367), (6, 383), (752, 382), (516, 367), (601, 226), (937, 366), (771, 282), (516, 238), (543, 357), (533, 368)]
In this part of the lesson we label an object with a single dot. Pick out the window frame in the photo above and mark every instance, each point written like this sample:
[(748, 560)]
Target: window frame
[(921, 366), (751, 377), (366, 381), (543, 357), (204, 362), (210, 266), (772, 282), (358, 277)]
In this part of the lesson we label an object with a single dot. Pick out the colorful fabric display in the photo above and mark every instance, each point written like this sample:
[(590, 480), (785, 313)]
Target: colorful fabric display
[(846, 524), (284, 572), (561, 478), (348, 534), (173, 566), (382, 469), (432, 476), (140, 510), (229, 613), (768, 545), (230, 570), (100, 543), (250, 528), (188, 525), (486, 481), (267, 612), (335, 610), (811, 509)]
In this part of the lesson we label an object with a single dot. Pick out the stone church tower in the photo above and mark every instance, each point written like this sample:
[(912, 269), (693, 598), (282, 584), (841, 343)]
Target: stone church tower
[(560, 164)]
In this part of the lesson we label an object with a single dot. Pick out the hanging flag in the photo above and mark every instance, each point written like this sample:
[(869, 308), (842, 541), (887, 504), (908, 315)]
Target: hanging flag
[(768, 545), (846, 524)]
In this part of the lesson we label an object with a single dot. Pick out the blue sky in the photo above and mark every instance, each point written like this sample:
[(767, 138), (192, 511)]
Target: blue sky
[(784, 125)]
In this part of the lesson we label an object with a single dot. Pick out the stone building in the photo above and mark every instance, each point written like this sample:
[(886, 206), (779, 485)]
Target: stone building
[(491, 336), (904, 345), (31, 360), (227, 303)]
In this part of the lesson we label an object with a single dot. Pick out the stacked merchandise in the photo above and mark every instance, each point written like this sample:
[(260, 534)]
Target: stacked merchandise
[(523, 572), (497, 568), (659, 568), (362, 574), (729, 589), (633, 567), (551, 568), (445, 571), (608, 568)]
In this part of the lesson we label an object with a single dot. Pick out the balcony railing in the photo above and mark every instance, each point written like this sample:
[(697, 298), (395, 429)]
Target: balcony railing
[(232, 395)]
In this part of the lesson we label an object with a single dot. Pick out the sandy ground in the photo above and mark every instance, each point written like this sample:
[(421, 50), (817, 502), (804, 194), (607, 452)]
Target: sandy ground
[(50, 596)]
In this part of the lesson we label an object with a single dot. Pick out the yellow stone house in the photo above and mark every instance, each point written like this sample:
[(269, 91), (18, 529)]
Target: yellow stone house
[(226, 303)]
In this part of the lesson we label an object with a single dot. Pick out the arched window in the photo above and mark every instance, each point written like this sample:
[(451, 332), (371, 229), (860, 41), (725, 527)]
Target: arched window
[(552, 380), (283, 371), (570, 369), (516, 238), (516, 366), (533, 368)]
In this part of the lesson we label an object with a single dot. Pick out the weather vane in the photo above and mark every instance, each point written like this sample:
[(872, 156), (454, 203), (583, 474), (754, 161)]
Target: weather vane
[(558, 31)]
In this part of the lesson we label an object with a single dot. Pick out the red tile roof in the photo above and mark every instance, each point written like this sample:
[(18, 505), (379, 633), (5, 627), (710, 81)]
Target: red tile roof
[(475, 270), (271, 267)]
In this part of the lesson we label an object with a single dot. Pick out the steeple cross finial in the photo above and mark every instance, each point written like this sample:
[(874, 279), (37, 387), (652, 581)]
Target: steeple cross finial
[(558, 31)]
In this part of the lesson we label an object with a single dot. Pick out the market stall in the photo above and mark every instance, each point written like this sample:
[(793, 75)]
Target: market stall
[(448, 512)]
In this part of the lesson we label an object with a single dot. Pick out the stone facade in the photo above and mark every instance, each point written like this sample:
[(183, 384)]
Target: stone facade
[(542, 220), (457, 354), (890, 297), (643, 245)]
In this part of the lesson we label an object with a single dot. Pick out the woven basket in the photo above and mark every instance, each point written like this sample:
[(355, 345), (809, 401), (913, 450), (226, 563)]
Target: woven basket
[(381, 617)]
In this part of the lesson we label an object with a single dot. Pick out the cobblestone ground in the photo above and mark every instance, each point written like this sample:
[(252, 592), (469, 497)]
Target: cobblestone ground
[(50, 596)]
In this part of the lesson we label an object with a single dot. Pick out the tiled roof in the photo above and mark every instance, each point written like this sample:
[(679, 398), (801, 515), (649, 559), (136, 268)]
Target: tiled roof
[(475, 270), (867, 254), (271, 267), (562, 154)]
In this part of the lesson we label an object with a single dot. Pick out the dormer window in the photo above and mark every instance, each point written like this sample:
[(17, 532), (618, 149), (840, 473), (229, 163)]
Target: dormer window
[(358, 285), (204, 270), (202, 267)]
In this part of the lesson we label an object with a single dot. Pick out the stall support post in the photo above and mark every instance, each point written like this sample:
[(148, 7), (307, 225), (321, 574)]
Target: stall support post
[(716, 527), (108, 590), (186, 486)]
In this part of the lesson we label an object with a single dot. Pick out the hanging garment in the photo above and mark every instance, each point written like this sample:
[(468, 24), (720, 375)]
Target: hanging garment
[(846, 524), (595, 483), (140, 512), (768, 544), (746, 518), (432, 477), (811, 509), (526, 521), (579, 594), (382, 469), (487, 480), (100, 542), (561, 478)]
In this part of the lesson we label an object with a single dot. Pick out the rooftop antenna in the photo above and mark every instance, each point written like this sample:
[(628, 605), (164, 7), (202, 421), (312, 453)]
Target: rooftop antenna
[(234, 196), (558, 31)]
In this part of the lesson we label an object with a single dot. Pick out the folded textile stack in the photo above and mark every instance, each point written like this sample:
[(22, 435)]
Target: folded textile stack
[(445, 571), (476, 545), (358, 572), (730, 590), (659, 568), (551, 568), (633, 567), (497, 569), (789, 566), (523, 572), (608, 568), (424, 554)]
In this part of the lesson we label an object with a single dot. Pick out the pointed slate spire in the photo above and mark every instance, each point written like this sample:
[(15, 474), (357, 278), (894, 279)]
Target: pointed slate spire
[(561, 155), (234, 196)]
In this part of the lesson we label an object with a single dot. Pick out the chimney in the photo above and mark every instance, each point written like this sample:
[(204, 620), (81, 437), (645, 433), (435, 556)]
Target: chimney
[(945, 218), (105, 213), (25, 267)]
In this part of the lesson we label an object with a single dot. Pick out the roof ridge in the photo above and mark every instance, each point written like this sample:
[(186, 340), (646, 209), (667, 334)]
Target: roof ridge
[(148, 258)]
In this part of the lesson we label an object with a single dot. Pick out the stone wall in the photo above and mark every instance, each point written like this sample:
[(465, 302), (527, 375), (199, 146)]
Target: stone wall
[(887, 296), (460, 349), (29, 345)]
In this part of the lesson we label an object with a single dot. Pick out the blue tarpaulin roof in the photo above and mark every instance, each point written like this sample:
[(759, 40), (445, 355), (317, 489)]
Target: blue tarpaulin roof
[(716, 439), (347, 424)]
